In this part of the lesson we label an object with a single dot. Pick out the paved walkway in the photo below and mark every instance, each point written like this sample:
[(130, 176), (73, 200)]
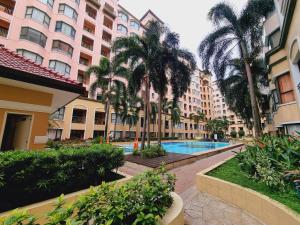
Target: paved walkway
[(203, 209)]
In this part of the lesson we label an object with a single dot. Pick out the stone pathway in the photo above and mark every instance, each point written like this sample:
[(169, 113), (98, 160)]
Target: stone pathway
[(203, 209)]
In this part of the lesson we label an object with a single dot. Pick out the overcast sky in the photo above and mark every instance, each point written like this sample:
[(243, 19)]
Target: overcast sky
[(189, 18)]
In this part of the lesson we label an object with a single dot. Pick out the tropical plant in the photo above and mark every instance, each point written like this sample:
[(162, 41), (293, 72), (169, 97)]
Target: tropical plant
[(175, 117), (153, 114), (235, 89), (241, 133), (218, 127), (233, 134), (165, 107), (105, 74), (236, 34), (199, 116), (153, 151)]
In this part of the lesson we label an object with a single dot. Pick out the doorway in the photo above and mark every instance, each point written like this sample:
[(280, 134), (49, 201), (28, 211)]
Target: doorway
[(16, 132)]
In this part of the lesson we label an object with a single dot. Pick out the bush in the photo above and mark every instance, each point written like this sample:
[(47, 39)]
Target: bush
[(233, 134), (270, 158), (143, 200), (153, 151), (241, 133), (29, 176), (97, 140)]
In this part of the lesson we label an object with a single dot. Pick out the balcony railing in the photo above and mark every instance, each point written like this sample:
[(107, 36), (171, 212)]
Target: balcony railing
[(78, 119), (90, 30), (108, 40), (84, 61), (3, 32), (91, 14), (99, 121), (6, 9), (87, 45)]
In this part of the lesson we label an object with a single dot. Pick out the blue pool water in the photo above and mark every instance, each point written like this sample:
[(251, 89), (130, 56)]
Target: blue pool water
[(185, 147)]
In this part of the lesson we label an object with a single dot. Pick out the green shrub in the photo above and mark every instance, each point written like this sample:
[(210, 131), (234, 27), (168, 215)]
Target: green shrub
[(31, 175), (241, 133), (97, 140), (143, 200), (233, 134), (153, 151), (270, 158)]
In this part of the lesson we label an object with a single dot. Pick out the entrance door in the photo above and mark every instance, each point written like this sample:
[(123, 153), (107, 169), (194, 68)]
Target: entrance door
[(16, 132)]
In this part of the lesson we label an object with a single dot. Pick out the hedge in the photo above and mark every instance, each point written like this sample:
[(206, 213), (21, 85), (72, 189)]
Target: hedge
[(141, 201), (29, 176)]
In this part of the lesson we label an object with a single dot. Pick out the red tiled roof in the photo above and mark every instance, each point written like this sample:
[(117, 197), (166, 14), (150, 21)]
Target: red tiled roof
[(15, 61)]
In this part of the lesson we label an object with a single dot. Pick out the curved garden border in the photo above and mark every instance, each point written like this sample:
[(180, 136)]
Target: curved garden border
[(262, 207)]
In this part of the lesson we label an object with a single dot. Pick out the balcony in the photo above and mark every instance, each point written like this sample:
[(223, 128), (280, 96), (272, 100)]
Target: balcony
[(109, 10), (91, 12), (107, 37), (99, 118), (108, 23), (105, 51), (83, 78), (89, 27), (85, 59), (3, 31), (79, 116), (87, 43), (7, 6)]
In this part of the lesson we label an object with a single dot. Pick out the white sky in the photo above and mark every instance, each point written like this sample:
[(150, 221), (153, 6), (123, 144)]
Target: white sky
[(188, 17)]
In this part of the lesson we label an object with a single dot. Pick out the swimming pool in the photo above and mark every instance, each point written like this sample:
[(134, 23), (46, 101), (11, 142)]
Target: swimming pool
[(185, 147)]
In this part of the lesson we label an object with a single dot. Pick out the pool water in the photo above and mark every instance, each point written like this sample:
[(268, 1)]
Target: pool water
[(185, 147)]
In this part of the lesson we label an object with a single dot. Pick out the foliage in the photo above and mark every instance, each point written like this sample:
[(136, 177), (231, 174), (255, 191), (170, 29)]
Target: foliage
[(153, 151), (233, 134), (141, 201), (241, 133), (31, 175), (97, 140), (270, 158), (218, 127), (231, 171)]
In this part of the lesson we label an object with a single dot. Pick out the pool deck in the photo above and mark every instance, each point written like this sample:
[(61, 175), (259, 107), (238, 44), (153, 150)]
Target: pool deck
[(174, 160)]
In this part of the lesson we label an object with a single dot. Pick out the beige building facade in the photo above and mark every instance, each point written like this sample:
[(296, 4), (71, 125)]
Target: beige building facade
[(282, 44)]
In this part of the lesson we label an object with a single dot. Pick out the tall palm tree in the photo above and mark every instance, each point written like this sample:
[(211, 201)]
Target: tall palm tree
[(199, 116), (119, 95), (140, 54), (104, 79), (235, 89), (175, 117), (174, 66), (165, 107), (236, 33)]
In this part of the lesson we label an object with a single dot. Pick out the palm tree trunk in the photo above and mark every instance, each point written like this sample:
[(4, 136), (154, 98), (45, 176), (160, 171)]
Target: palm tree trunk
[(148, 113), (254, 106), (159, 121), (115, 125), (172, 131), (144, 124), (106, 119)]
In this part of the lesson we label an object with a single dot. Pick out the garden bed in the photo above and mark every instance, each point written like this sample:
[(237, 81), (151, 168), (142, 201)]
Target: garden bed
[(230, 171)]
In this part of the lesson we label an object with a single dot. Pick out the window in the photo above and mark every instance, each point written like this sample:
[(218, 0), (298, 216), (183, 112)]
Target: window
[(67, 11), (60, 67), (77, 2), (65, 28), (123, 16), (122, 29), (273, 39), (134, 25), (59, 114), (285, 88), (31, 55), (63, 47), (37, 15), (48, 2), (33, 35)]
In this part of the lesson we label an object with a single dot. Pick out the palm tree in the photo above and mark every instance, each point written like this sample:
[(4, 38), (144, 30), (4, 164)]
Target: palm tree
[(174, 66), (199, 116), (165, 106), (175, 117), (140, 53), (153, 114), (119, 95), (236, 33), (104, 80)]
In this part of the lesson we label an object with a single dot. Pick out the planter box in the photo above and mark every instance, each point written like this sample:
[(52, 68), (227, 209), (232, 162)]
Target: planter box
[(262, 207)]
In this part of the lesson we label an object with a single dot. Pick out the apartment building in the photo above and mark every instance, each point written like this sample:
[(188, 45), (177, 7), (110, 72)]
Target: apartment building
[(282, 44), (221, 111), (67, 37)]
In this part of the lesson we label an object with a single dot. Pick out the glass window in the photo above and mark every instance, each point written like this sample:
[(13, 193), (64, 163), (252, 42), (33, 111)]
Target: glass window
[(37, 15), (67, 11), (60, 67), (273, 39), (65, 28), (63, 47), (285, 88), (59, 114), (31, 55), (122, 29), (77, 2), (123, 16), (48, 2), (134, 25), (33, 35)]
